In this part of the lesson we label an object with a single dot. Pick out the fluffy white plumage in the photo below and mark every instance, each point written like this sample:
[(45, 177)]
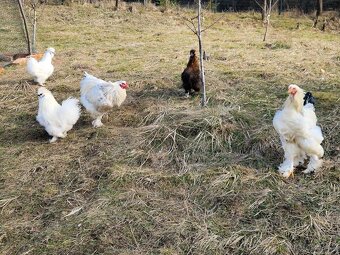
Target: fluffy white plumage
[(300, 136), (55, 118), (99, 96), (43, 69)]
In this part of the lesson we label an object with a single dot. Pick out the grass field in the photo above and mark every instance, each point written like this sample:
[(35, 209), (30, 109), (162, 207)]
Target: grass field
[(164, 176)]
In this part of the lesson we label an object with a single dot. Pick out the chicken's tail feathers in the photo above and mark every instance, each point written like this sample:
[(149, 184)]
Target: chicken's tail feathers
[(87, 75), (70, 110), (32, 65), (88, 78), (86, 82), (308, 98)]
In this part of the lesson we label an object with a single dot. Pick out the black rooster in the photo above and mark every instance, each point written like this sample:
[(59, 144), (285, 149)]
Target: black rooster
[(191, 75)]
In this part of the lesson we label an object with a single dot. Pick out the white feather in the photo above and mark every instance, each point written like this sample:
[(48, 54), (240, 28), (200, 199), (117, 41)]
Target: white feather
[(299, 134), (42, 70), (99, 96), (55, 118)]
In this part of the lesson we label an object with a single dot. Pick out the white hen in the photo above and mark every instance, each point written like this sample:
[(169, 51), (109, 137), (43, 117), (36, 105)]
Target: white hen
[(43, 69), (55, 118), (300, 136), (99, 96)]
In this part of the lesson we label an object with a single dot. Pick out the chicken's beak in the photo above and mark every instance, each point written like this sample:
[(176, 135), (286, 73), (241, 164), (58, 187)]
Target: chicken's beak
[(292, 91), (124, 85)]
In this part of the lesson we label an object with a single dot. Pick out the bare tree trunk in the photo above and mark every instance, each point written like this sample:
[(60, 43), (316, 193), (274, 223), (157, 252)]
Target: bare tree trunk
[(268, 9), (319, 8), (25, 26), (280, 9), (116, 4), (264, 11), (266, 30), (267, 17), (34, 29), (200, 46)]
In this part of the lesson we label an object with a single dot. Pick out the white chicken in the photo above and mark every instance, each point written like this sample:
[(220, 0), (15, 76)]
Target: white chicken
[(43, 69), (99, 96), (300, 136), (55, 118)]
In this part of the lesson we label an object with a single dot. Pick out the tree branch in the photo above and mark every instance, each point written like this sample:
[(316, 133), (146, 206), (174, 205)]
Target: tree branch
[(194, 17), (217, 20), (194, 30), (272, 5), (258, 4)]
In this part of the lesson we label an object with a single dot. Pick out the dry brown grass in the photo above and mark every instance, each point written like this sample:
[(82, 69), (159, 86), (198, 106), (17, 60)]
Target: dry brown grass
[(164, 176)]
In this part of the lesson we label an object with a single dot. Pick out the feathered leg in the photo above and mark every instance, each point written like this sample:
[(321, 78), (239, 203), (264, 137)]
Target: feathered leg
[(60, 135), (314, 164), (287, 166), (98, 121), (54, 139), (299, 159), (39, 81)]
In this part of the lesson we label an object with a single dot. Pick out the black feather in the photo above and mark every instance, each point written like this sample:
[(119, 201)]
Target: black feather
[(309, 99)]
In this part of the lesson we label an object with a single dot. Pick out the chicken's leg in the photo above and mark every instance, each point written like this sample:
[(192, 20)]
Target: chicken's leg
[(98, 121), (54, 139), (287, 166), (314, 164)]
